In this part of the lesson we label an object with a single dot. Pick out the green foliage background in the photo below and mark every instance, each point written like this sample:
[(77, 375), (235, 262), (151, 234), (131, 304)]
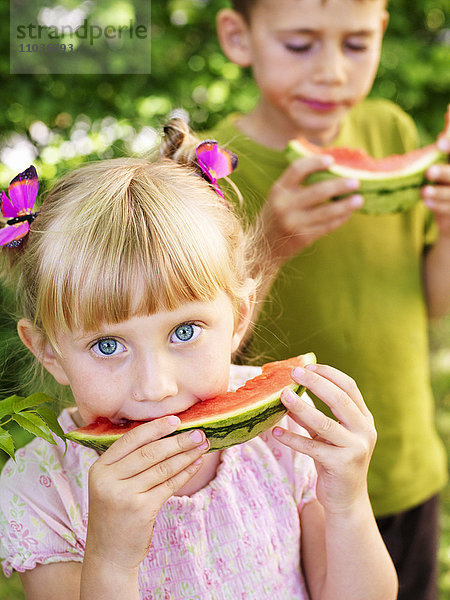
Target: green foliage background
[(62, 120), (189, 70)]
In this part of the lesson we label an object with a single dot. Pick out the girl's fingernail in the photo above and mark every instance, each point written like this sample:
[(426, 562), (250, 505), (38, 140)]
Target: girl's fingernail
[(173, 420), (429, 191), (289, 396), (277, 431), (311, 367), (196, 436), (204, 446)]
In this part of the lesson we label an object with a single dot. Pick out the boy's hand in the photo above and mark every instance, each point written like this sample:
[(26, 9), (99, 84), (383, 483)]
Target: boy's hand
[(129, 483), (294, 216), (341, 449), (437, 196)]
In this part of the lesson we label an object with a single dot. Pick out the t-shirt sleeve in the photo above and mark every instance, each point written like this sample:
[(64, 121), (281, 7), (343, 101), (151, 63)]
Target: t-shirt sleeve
[(43, 506)]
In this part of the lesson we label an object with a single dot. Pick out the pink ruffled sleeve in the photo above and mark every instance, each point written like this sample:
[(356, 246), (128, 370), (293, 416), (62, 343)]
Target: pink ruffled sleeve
[(44, 505)]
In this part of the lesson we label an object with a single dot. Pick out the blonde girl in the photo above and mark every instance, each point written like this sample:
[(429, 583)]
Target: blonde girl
[(136, 293)]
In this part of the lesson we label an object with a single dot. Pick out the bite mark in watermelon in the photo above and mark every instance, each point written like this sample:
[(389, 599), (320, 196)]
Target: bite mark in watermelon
[(389, 184), (227, 419)]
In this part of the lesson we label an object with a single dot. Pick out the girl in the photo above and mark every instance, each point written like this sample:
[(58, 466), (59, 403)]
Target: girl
[(136, 293)]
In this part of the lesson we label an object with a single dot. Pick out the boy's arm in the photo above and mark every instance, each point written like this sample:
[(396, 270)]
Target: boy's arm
[(294, 216), (437, 260)]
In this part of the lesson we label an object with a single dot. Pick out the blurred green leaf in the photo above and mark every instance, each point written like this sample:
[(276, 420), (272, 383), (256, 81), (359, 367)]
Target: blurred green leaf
[(35, 425), (7, 406), (30, 402), (6, 442), (50, 418)]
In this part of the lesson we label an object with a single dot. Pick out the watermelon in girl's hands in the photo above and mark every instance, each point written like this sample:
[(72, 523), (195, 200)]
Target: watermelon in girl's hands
[(227, 419), (389, 184)]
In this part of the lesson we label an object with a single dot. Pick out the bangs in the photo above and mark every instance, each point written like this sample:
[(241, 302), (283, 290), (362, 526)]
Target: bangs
[(134, 257)]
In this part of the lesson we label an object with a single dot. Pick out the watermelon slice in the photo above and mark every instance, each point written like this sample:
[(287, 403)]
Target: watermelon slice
[(389, 184), (227, 419)]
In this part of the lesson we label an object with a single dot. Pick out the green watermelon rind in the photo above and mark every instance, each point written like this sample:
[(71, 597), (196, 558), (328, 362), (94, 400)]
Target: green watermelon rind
[(383, 192), (222, 432)]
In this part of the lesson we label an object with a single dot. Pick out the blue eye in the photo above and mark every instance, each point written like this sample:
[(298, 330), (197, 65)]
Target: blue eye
[(108, 347), (186, 332)]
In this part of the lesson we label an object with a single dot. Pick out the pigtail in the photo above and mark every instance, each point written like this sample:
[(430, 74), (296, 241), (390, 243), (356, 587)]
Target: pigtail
[(206, 158), (179, 143)]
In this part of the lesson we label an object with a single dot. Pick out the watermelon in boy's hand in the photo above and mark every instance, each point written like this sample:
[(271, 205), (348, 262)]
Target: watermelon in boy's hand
[(389, 184), (227, 419)]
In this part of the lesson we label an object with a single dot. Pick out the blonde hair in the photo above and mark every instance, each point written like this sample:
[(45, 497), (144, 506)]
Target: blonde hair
[(127, 237)]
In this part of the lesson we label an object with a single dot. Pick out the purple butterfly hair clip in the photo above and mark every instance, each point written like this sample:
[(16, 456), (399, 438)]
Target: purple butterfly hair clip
[(17, 209), (215, 162)]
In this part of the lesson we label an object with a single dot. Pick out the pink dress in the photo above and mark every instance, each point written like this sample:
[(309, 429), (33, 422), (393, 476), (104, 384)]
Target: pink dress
[(237, 538)]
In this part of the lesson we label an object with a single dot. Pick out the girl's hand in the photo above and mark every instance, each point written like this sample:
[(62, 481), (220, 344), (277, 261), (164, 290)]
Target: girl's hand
[(437, 196), (294, 215), (129, 483), (341, 450)]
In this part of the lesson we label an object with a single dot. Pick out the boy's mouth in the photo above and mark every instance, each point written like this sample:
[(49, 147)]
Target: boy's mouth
[(320, 105)]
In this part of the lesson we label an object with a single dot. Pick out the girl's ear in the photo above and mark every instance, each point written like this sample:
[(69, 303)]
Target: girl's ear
[(234, 37), (244, 317), (41, 349)]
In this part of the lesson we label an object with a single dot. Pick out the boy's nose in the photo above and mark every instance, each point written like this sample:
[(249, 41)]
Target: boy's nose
[(153, 380), (330, 66)]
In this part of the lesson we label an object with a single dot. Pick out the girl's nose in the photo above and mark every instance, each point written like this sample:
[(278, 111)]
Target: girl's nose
[(154, 380)]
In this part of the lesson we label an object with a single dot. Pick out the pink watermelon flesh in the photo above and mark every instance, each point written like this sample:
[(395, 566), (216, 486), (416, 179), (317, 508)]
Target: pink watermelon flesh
[(389, 184), (226, 419)]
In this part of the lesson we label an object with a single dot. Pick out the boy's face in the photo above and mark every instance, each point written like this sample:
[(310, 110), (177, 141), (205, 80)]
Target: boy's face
[(311, 60)]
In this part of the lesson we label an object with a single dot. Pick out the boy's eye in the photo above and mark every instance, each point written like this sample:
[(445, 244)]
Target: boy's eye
[(108, 347), (356, 45), (298, 47), (186, 332)]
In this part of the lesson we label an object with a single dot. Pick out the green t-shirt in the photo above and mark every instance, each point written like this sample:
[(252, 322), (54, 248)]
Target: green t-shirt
[(355, 297)]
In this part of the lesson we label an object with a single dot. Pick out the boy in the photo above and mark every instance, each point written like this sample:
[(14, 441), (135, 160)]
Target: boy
[(348, 286)]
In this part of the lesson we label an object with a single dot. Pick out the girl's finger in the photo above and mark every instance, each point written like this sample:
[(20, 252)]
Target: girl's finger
[(317, 424), (156, 452), (169, 487), (315, 449), (167, 469), (344, 382), (337, 391), (140, 436)]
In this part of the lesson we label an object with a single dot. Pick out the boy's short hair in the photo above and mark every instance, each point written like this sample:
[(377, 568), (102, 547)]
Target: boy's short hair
[(244, 7)]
